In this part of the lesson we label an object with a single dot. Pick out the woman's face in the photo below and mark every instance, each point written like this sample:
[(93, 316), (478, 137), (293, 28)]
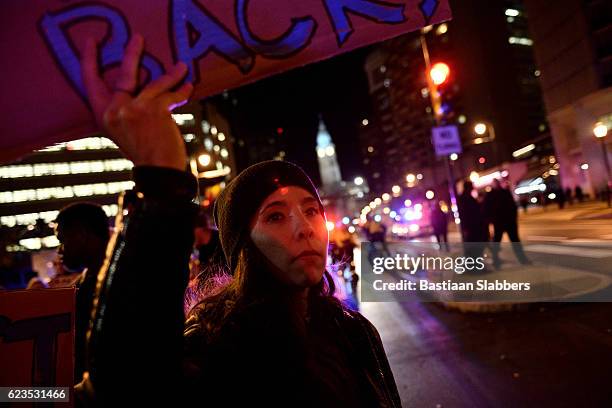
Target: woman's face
[(290, 230)]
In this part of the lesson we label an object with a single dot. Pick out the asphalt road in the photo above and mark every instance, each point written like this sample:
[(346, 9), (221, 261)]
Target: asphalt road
[(545, 355)]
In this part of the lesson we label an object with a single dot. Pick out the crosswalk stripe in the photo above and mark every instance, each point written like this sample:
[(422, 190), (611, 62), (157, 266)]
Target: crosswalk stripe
[(567, 250), (545, 238)]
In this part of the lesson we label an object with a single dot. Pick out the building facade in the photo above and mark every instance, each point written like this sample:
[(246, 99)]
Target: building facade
[(573, 47), (493, 80)]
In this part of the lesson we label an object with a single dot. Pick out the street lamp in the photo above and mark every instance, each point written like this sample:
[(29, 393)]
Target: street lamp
[(480, 129), (204, 159), (600, 131)]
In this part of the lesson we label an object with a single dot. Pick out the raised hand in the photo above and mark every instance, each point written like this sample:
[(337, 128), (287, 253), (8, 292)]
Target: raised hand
[(139, 123)]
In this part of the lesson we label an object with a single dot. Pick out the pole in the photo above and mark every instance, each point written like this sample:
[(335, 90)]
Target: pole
[(604, 150), (435, 103)]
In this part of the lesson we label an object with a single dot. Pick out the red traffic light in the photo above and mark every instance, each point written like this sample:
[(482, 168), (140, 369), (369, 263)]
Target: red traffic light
[(439, 73), (482, 160)]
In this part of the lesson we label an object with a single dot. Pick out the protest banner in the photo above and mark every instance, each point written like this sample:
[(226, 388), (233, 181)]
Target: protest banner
[(224, 43)]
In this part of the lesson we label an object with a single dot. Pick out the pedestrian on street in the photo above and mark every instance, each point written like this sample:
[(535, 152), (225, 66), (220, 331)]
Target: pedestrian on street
[(501, 211), (439, 225), (579, 194), (273, 335), (473, 226), (561, 198), (568, 196)]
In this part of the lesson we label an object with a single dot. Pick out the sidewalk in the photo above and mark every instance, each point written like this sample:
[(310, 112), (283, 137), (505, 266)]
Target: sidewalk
[(589, 210)]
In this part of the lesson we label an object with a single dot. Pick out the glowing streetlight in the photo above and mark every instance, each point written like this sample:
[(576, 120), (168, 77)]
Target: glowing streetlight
[(600, 130), (386, 197), (396, 189), (358, 181), (204, 159), (480, 129), (410, 178), (453, 156), (430, 194), (439, 73)]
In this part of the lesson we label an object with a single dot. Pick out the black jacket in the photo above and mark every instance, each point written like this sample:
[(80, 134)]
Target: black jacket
[(140, 350)]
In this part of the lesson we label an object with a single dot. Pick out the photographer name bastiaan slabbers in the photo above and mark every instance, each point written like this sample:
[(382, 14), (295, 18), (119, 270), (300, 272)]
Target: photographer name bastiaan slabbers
[(448, 285)]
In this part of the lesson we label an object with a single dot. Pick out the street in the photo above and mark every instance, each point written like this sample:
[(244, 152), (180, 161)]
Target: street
[(546, 354)]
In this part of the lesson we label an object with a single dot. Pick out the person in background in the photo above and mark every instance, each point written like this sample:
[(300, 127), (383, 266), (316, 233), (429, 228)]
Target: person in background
[(568, 196), (579, 194), (501, 210), (83, 233), (473, 226), (207, 244), (439, 224)]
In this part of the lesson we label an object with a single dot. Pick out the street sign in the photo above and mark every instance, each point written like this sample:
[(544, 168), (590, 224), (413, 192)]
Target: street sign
[(446, 140), (224, 43)]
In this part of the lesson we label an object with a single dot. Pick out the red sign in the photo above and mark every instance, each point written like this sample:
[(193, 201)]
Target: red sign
[(36, 338), (225, 44)]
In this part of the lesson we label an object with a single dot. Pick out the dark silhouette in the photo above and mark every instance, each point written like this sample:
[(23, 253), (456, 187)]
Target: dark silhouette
[(579, 194), (473, 226), (501, 211), (439, 224)]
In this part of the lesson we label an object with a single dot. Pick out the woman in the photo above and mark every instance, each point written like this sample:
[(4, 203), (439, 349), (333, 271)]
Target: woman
[(271, 336)]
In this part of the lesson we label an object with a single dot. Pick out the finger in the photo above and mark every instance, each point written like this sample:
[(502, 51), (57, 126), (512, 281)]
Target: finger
[(96, 89), (179, 97), (128, 74), (165, 82)]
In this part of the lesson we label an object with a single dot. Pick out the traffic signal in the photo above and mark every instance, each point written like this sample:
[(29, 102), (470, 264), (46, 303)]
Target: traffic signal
[(443, 92), (439, 73)]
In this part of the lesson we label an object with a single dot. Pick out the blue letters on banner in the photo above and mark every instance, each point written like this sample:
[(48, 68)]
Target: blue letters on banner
[(54, 25), (378, 11), (213, 36), (296, 38)]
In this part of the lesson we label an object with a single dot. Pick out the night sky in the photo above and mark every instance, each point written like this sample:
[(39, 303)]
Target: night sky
[(336, 89)]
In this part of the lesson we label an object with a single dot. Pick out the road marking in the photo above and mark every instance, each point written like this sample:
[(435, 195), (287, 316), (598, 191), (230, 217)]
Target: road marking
[(608, 236), (567, 250), (586, 241), (545, 238)]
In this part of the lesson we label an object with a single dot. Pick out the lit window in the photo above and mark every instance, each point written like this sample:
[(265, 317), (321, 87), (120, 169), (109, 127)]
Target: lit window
[(221, 136), (183, 118), (520, 41), (512, 13), (224, 153)]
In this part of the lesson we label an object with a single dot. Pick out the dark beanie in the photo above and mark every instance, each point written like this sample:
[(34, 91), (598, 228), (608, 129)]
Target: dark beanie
[(239, 201)]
